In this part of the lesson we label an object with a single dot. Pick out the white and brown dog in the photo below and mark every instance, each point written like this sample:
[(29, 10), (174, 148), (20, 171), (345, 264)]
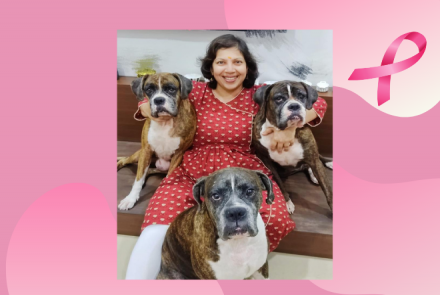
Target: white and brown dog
[(169, 129), (224, 237), (283, 105)]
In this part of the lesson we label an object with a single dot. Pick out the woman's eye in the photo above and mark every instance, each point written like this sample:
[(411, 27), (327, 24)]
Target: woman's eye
[(249, 192), (238, 62), (215, 197), (220, 62)]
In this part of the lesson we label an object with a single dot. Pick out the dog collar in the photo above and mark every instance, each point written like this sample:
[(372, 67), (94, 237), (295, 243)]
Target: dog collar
[(143, 101), (138, 114)]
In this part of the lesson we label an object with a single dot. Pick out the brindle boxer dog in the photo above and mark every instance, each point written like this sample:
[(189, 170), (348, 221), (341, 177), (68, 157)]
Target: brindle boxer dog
[(283, 105), (169, 127), (224, 237)]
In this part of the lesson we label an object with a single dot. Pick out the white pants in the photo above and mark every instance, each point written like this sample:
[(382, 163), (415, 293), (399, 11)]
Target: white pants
[(146, 256)]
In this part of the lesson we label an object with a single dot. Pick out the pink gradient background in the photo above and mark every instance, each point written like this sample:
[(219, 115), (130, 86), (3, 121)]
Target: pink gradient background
[(58, 132)]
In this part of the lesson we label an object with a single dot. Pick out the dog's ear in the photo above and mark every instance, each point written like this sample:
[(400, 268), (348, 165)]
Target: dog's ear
[(199, 190), (137, 86), (261, 93), (312, 95), (185, 85), (267, 183)]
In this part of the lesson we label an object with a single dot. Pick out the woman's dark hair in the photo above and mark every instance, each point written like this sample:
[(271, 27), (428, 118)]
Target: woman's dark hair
[(228, 41)]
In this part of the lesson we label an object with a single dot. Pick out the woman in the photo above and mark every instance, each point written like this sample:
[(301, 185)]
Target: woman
[(225, 111)]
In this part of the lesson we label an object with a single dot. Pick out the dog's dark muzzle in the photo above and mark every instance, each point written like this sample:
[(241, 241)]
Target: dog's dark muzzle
[(235, 215), (158, 105), (237, 222), (159, 101), (295, 116), (294, 107)]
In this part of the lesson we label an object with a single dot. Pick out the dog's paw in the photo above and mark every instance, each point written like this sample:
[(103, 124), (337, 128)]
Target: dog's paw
[(329, 165), (162, 164), (121, 162), (127, 203), (290, 207), (312, 176), (257, 276)]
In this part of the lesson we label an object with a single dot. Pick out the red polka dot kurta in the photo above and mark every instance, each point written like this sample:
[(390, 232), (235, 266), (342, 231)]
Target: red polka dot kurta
[(223, 139)]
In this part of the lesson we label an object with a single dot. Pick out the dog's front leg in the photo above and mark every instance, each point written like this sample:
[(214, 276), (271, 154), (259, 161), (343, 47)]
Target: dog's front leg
[(262, 273), (326, 185), (128, 202)]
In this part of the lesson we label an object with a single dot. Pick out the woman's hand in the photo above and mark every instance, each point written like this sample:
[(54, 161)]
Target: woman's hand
[(282, 139)]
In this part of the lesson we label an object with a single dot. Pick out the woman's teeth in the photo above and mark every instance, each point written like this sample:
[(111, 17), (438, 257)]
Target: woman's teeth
[(230, 79)]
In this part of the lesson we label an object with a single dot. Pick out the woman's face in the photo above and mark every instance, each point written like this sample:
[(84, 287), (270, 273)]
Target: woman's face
[(229, 68)]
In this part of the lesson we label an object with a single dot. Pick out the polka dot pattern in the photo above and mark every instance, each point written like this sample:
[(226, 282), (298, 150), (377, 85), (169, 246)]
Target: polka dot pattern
[(223, 139)]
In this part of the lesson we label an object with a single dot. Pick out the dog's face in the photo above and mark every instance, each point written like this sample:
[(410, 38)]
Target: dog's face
[(233, 198), (164, 92), (285, 103)]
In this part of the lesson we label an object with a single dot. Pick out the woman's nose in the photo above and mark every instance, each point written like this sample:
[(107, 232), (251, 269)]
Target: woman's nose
[(230, 67)]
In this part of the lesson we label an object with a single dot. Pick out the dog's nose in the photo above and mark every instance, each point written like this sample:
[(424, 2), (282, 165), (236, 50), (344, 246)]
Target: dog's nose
[(235, 214), (294, 107), (159, 101)]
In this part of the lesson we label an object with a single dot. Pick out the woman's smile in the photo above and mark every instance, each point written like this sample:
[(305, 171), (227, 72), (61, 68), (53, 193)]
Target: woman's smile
[(230, 79)]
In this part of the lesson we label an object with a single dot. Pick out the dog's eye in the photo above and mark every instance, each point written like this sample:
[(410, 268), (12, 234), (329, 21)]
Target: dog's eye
[(171, 90), (249, 192), (148, 90), (215, 197), (279, 99)]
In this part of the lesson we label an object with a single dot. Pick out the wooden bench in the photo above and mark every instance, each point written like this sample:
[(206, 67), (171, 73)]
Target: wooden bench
[(313, 234)]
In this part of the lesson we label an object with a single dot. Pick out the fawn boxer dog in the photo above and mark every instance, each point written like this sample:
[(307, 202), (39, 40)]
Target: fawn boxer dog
[(169, 129), (283, 105), (224, 237)]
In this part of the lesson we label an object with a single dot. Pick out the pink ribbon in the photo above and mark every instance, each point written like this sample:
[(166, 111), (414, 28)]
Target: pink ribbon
[(388, 68)]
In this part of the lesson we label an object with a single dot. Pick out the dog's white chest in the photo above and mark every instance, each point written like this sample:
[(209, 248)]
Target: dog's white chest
[(289, 158), (240, 258), (159, 139)]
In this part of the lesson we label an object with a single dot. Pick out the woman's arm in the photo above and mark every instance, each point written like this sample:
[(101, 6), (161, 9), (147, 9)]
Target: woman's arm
[(311, 115)]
